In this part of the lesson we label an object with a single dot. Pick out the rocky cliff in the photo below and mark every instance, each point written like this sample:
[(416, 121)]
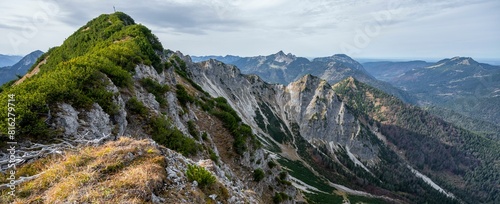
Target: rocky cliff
[(310, 129)]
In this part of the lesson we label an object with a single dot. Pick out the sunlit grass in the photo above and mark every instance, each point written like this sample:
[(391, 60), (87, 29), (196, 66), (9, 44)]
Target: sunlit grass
[(123, 171)]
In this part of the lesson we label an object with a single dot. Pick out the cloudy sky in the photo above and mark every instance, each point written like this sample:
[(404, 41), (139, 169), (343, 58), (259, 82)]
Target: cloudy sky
[(408, 29)]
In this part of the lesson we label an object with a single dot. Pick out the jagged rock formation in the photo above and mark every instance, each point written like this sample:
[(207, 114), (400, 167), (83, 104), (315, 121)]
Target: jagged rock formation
[(309, 103), (307, 121)]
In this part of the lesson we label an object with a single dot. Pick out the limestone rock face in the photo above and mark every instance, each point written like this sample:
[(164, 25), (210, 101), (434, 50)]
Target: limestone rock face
[(309, 103)]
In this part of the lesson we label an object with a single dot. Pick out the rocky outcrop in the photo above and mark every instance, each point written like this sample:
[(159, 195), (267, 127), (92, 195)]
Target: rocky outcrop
[(309, 103)]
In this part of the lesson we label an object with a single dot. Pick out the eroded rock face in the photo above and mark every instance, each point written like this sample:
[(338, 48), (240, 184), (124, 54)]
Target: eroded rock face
[(68, 119), (92, 124), (98, 122), (119, 119), (309, 103)]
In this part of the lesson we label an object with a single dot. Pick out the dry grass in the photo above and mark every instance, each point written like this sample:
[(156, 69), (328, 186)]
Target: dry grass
[(124, 171)]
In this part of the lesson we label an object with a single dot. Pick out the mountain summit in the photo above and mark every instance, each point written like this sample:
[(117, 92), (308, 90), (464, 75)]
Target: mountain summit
[(454, 62)]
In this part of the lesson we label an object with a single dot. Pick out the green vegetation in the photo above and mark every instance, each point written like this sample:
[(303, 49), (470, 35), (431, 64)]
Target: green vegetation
[(172, 138), (77, 72), (258, 175), (192, 130), (444, 152), (281, 178), (7, 85), (271, 164), (183, 96), (136, 107), (301, 172), (240, 131), (200, 175), (487, 129), (181, 69), (273, 127), (204, 136), (156, 89), (213, 156), (280, 197)]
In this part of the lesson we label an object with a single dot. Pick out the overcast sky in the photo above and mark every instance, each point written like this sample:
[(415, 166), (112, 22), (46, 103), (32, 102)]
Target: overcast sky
[(411, 29)]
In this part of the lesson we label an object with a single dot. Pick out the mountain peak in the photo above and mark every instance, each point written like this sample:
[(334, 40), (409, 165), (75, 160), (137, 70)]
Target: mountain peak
[(455, 61), (463, 60), (282, 54), (342, 55), (308, 80), (281, 57), (337, 57)]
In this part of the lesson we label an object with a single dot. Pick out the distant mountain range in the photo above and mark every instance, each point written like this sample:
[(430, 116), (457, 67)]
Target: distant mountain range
[(460, 84), (285, 68), (20, 68), (9, 60), (457, 89), (387, 70), (229, 59)]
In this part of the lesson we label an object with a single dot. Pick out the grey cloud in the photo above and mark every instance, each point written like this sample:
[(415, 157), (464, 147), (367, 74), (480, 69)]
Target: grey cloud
[(193, 19), (176, 17)]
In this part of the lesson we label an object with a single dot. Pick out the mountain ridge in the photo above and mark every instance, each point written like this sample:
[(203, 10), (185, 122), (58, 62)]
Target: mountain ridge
[(9, 60), (20, 68), (289, 68), (460, 84), (219, 135), (243, 102)]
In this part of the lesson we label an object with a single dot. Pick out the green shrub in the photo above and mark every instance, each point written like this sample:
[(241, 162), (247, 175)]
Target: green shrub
[(227, 118), (183, 96), (172, 138), (283, 175), (241, 132), (271, 164), (258, 175), (280, 197), (136, 107), (282, 178), (207, 104), (200, 175), (156, 89), (213, 156), (204, 136), (192, 129)]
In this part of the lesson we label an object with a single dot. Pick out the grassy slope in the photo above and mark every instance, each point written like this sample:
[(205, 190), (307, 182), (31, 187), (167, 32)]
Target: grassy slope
[(102, 174), (77, 71)]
